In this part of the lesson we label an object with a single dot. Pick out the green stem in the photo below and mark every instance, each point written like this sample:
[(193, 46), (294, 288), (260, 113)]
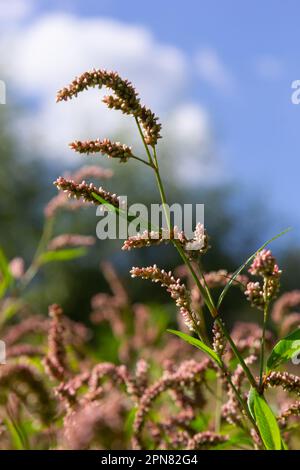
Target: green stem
[(237, 353), (218, 405), (143, 161), (34, 267), (207, 297), (242, 403), (144, 142), (203, 289), (263, 340)]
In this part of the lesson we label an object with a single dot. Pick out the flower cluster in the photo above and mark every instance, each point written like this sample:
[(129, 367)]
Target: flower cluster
[(199, 243), (150, 125), (61, 201), (204, 440), (189, 373), (105, 146), (255, 295), (291, 410), (263, 265), (219, 340), (86, 191), (70, 239), (287, 381), (176, 289), (55, 361), (193, 248), (146, 238), (125, 98)]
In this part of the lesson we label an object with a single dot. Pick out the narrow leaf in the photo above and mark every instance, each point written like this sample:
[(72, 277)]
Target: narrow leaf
[(247, 262), (62, 255), (265, 420), (5, 274), (199, 344), (122, 213), (284, 350)]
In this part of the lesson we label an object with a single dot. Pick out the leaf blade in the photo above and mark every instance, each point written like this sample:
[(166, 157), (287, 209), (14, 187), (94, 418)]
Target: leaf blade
[(6, 276), (198, 344), (284, 350), (265, 420), (61, 255)]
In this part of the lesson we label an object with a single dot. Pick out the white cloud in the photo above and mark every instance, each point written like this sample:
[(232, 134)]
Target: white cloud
[(14, 10), (45, 55), (213, 70), (193, 142)]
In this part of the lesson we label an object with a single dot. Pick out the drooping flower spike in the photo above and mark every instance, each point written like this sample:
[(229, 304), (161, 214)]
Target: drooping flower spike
[(105, 146), (125, 99), (85, 191)]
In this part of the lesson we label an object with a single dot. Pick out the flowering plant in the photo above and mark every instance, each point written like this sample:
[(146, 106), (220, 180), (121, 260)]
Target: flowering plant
[(173, 397)]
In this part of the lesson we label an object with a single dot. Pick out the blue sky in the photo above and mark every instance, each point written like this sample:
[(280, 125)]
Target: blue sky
[(242, 58)]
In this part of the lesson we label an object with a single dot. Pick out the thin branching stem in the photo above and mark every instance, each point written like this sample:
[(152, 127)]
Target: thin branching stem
[(34, 267), (204, 290), (263, 340), (143, 161)]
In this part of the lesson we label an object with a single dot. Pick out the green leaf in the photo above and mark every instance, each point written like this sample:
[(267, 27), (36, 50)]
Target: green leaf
[(61, 255), (129, 421), (106, 203), (5, 274), (17, 438), (199, 344), (284, 445), (284, 350), (247, 262), (122, 213), (265, 420)]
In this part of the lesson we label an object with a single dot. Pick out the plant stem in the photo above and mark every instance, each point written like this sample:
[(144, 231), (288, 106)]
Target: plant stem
[(204, 290), (237, 353), (242, 403), (218, 405), (143, 161), (33, 268), (143, 139), (263, 340), (201, 329)]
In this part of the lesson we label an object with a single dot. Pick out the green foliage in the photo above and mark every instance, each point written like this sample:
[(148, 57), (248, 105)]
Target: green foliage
[(265, 420), (284, 350), (5, 274), (61, 255), (198, 344)]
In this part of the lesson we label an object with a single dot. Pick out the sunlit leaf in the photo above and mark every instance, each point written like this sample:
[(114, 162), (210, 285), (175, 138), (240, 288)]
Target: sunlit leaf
[(265, 420), (198, 344), (5, 274), (62, 255), (284, 350)]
